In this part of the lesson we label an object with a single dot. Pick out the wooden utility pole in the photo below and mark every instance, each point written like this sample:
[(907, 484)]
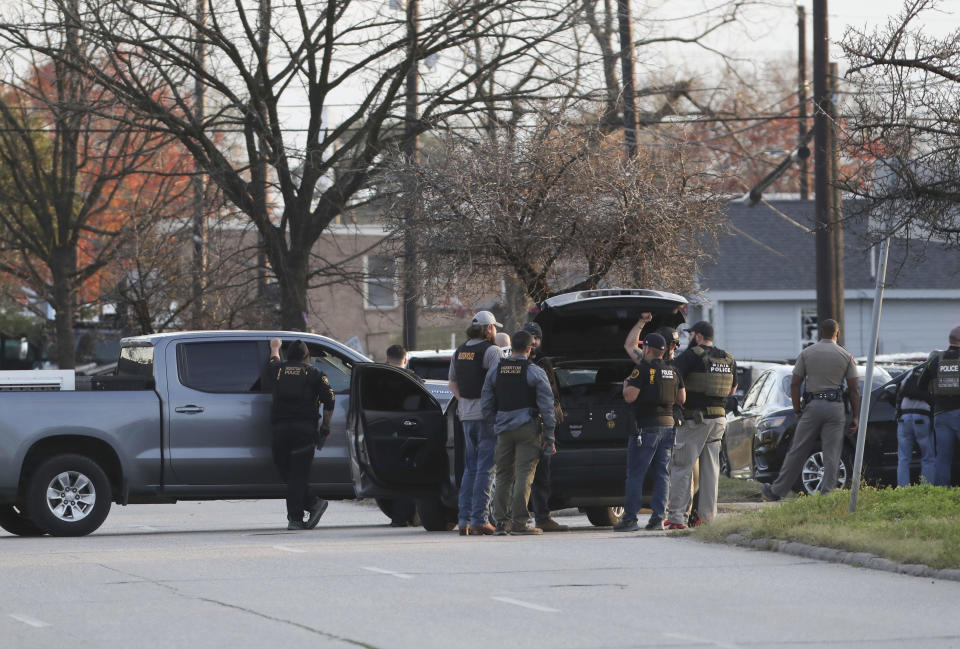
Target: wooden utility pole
[(802, 96), (626, 64), (836, 216), (199, 194), (411, 294), (825, 254)]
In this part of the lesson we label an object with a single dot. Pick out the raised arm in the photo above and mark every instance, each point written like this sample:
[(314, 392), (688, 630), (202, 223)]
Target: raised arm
[(632, 344)]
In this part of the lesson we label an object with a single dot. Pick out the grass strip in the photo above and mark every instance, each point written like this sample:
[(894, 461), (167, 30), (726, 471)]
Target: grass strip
[(919, 524)]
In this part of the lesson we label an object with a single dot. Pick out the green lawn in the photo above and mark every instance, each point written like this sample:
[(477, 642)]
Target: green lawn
[(918, 524)]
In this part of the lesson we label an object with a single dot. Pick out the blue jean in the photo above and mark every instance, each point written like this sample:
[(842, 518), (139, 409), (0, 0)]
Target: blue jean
[(479, 441), (914, 428), (650, 449), (946, 427)]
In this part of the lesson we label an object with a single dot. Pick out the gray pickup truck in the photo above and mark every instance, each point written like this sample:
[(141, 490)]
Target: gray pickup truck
[(186, 417)]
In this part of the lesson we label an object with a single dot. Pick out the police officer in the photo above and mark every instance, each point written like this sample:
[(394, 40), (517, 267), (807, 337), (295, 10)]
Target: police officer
[(298, 390), (709, 375), (654, 388), (824, 365), (943, 380), (516, 397), (540, 490), (468, 367), (914, 427)]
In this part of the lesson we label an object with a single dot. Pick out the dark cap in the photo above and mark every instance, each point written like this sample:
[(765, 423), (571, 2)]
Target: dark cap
[(656, 341), (533, 329), (703, 328), (670, 335)]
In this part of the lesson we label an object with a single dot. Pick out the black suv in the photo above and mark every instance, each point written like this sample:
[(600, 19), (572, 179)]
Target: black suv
[(583, 334)]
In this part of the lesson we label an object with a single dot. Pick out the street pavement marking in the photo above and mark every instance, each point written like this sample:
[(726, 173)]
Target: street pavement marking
[(534, 607), (398, 575), (29, 621), (699, 640), (287, 548)]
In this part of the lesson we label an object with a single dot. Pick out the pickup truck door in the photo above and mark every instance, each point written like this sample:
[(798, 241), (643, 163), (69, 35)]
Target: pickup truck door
[(218, 415), (395, 433)]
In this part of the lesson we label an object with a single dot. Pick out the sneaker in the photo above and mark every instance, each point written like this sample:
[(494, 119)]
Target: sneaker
[(315, 513), (767, 492), (655, 523), (524, 530), (551, 525), (501, 529), (464, 529), (481, 530), (670, 525), (296, 525), (693, 519), (626, 526)]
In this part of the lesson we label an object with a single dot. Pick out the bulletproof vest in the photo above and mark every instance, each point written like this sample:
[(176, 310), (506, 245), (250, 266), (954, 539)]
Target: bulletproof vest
[(911, 387), (468, 366), (715, 378), (511, 387), (658, 394), (948, 376), (293, 397)]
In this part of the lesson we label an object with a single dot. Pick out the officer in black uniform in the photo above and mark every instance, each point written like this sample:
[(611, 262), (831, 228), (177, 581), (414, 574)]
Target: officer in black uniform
[(655, 389), (298, 390), (914, 428), (942, 379), (540, 490)]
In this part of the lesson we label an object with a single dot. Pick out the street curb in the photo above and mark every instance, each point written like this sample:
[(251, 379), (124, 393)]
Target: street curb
[(857, 559)]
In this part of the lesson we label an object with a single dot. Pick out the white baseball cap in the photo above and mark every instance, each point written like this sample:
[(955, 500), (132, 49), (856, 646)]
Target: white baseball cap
[(484, 318)]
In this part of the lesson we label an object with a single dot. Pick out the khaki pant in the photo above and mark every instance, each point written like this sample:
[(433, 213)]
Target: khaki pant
[(516, 456), (822, 420), (696, 442)]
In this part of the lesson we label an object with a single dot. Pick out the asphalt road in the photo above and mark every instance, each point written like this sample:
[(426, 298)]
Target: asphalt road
[(224, 574)]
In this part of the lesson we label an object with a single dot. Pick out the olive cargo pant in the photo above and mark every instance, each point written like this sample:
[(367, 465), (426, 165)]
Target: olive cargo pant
[(822, 421), (516, 457), (695, 441)]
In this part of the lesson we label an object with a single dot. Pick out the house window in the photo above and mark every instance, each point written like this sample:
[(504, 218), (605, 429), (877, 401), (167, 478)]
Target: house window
[(380, 285), (808, 327)]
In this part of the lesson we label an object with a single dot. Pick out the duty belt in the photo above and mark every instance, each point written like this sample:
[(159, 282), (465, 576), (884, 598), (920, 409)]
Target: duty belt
[(828, 395)]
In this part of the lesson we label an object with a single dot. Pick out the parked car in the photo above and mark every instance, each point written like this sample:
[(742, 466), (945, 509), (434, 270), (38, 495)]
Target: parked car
[(430, 364), (583, 334), (759, 435), (186, 417)]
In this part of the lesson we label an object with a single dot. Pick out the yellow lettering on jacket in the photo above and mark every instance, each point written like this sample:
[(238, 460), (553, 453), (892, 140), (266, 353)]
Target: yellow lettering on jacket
[(466, 356)]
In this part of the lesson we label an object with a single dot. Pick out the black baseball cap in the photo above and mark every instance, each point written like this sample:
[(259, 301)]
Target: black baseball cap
[(655, 341), (703, 328), (533, 329), (670, 335)]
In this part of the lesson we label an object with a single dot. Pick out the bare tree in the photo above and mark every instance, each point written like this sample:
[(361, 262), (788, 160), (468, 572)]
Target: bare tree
[(561, 209), (905, 119), (341, 62), (71, 166)]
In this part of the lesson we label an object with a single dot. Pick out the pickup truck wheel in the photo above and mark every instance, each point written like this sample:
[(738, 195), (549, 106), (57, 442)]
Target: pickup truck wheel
[(603, 516), (68, 495), (13, 520), (435, 516)]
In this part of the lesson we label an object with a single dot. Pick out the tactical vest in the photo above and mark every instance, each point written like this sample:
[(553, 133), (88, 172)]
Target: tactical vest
[(511, 387), (715, 378), (468, 366), (911, 386), (658, 392), (293, 396), (948, 377)]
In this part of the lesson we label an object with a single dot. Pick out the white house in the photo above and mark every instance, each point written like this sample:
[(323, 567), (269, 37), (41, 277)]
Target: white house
[(759, 291)]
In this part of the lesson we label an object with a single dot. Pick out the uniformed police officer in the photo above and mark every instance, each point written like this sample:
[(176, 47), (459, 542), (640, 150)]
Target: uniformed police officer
[(943, 380), (709, 375), (654, 388), (824, 366), (914, 427), (540, 490), (468, 367), (298, 390), (517, 398)]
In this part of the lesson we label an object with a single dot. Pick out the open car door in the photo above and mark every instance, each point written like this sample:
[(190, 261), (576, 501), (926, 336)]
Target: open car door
[(395, 433)]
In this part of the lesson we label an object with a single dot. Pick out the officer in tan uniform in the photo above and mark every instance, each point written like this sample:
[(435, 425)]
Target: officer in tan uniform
[(824, 365)]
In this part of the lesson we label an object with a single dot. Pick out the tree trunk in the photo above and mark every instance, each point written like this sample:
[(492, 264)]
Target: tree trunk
[(62, 268), (292, 278)]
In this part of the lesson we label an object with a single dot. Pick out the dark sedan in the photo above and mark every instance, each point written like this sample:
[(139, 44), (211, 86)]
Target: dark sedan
[(759, 435)]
